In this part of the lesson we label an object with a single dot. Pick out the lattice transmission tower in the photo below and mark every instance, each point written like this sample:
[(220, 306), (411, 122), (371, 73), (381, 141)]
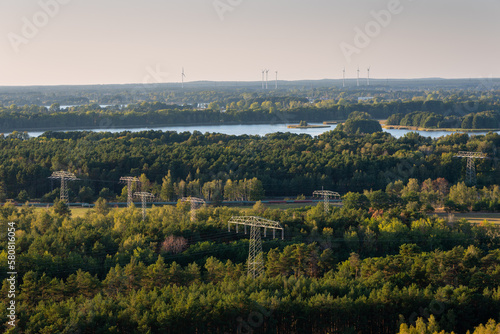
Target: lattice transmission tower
[(64, 177), (144, 196), (129, 180), (470, 174), (326, 194), (195, 204), (255, 256)]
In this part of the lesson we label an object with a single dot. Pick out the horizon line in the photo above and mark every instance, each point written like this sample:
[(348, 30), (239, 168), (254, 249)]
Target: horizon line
[(242, 81)]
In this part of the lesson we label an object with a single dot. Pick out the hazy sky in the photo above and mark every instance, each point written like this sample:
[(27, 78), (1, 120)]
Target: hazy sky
[(132, 41)]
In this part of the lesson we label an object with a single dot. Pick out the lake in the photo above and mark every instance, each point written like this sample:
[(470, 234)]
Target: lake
[(258, 129), (66, 106)]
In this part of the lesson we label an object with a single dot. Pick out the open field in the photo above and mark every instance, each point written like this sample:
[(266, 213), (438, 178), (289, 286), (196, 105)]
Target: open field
[(81, 211), (296, 205), (281, 206), (474, 217), (75, 211)]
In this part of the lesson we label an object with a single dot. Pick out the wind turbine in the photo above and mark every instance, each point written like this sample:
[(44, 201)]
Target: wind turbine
[(276, 80), (368, 77), (357, 81), (263, 71), (182, 77), (343, 77), (267, 77)]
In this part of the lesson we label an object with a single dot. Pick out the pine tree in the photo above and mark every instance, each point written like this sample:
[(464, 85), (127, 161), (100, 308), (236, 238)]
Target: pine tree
[(61, 209), (167, 188)]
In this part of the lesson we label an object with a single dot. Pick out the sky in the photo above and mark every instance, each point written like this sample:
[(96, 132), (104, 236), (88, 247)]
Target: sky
[(56, 42)]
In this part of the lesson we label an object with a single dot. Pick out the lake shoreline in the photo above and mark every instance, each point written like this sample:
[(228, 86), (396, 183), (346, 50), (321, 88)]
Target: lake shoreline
[(134, 126), (308, 126), (416, 128), (233, 128), (291, 126)]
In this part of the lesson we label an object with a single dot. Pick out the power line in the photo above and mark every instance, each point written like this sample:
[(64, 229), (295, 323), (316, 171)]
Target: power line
[(144, 196), (327, 194), (255, 255), (64, 177), (470, 174), (195, 204), (129, 180)]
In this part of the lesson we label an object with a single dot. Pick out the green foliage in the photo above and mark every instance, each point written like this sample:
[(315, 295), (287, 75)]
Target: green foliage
[(378, 199), (101, 206), (432, 327), (478, 120), (394, 119), (167, 188), (421, 327), (490, 328), (360, 126), (462, 195), (85, 194), (355, 201), (446, 109), (362, 268), (23, 196), (285, 164), (135, 276), (359, 115), (61, 209), (106, 193), (360, 122)]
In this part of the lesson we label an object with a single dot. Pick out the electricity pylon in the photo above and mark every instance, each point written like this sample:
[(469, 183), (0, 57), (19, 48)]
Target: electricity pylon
[(144, 196), (129, 180), (64, 177), (470, 175), (327, 194), (195, 204), (255, 257)]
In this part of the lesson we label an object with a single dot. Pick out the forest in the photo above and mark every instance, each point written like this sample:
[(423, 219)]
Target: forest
[(251, 109), (224, 93), (354, 269), (479, 120), (249, 167), (194, 164)]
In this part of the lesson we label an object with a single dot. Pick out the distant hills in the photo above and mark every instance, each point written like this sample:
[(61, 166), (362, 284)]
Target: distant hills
[(233, 91), (491, 83)]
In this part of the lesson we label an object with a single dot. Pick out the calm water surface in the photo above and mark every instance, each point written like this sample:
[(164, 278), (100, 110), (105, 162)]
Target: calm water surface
[(257, 129)]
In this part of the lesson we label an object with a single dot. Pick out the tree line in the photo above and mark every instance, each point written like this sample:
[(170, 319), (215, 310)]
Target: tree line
[(216, 191), (284, 164), (427, 196), (481, 120), (247, 111), (347, 270)]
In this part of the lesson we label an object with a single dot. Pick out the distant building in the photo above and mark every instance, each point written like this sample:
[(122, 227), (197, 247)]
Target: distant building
[(202, 106), (365, 98)]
